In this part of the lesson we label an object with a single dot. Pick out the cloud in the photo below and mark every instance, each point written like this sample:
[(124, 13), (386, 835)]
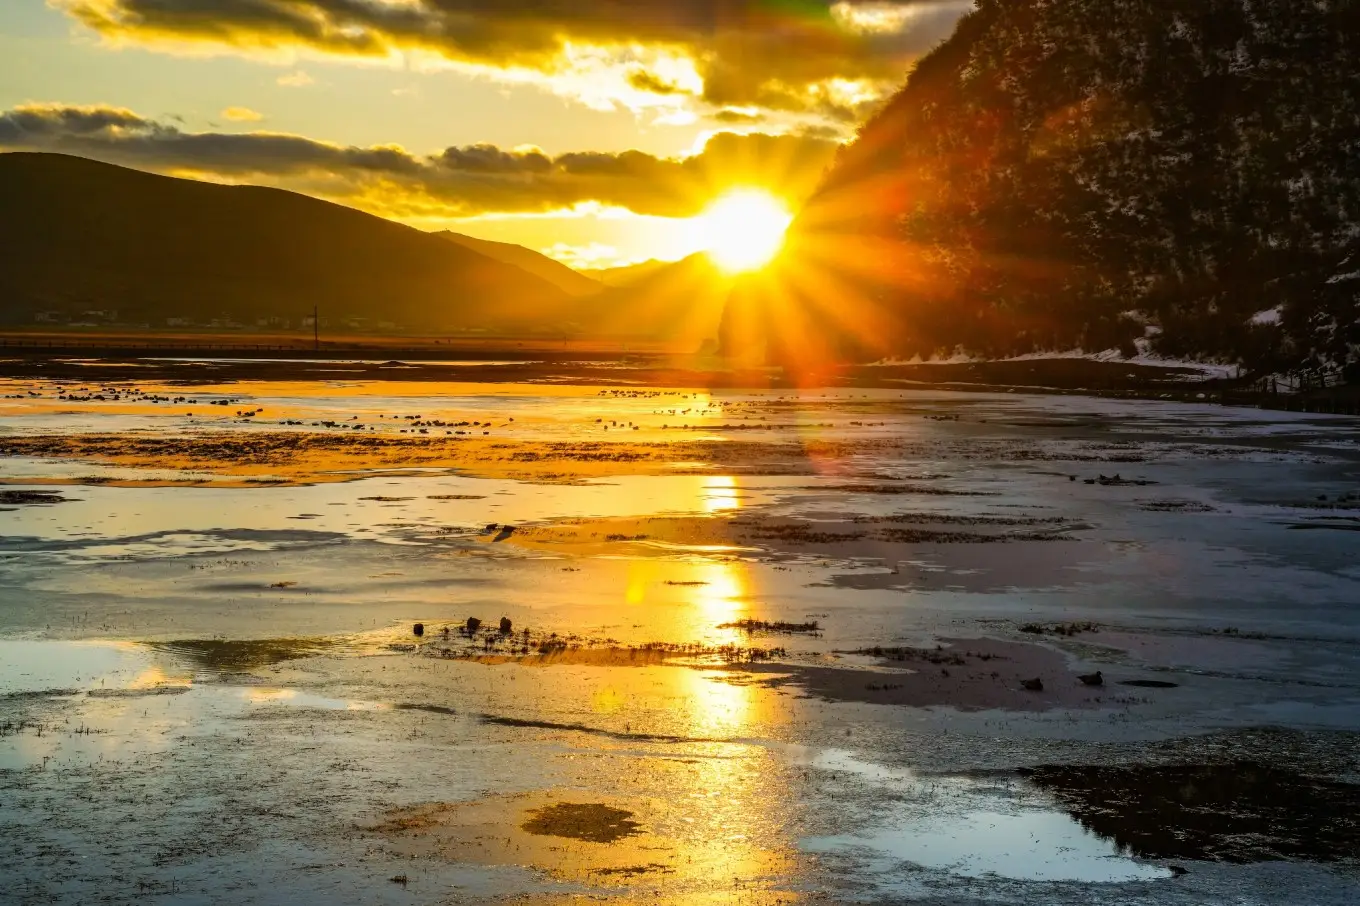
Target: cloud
[(738, 115), (459, 181), (242, 115), (781, 54), (295, 79)]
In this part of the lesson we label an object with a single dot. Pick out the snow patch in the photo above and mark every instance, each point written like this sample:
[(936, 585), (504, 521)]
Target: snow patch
[(1206, 370), (1266, 316)]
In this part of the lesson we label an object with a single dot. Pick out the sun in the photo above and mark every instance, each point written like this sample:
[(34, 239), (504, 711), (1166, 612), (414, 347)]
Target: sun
[(743, 229)]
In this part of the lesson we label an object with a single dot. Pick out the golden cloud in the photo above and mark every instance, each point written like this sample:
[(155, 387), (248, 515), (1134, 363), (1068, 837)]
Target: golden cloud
[(779, 54), (459, 181), (242, 115), (295, 79)]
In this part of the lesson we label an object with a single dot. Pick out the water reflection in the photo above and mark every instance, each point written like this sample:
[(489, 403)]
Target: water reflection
[(50, 667), (720, 494), (718, 708), (300, 699), (974, 827), (722, 597), (233, 655)]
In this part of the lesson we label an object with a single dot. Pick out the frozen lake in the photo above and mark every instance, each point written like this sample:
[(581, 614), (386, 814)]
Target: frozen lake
[(763, 647)]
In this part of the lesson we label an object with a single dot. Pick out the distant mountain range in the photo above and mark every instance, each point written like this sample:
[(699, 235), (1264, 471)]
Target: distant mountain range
[(555, 272), (79, 236), (89, 242), (679, 301), (625, 274)]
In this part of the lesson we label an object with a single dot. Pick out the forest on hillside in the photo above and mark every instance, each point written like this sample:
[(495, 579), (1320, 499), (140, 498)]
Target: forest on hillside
[(1061, 174)]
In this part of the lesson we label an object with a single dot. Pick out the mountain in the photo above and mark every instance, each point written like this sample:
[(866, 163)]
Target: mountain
[(1092, 174), (571, 282), (627, 273), (79, 235), (680, 301)]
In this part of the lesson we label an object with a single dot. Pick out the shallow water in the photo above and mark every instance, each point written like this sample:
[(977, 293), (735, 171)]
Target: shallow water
[(232, 665)]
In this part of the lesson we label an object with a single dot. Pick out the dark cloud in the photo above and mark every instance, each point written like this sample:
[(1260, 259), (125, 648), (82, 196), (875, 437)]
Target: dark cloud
[(38, 122), (459, 181), (491, 159), (771, 52), (650, 82), (731, 115)]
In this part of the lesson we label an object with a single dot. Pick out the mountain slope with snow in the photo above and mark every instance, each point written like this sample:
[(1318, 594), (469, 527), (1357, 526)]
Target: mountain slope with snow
[(1068, 173)]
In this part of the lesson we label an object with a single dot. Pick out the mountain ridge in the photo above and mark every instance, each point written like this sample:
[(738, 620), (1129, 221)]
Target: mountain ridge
[(1067, 174), (82, 234), (565, 278)]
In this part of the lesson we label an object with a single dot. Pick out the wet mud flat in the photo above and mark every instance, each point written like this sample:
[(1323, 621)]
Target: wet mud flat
[(520, 363), (490, 779), (304, 456), (659, 644)]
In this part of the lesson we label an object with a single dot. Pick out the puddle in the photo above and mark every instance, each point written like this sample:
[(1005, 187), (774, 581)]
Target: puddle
[(35, 668), (300, 699), (226, 656), (111, 522), (976, 828)]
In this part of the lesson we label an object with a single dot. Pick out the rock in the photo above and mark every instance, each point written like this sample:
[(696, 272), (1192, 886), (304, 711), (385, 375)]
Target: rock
[(472, 625), (506, 625), (1178, 870), (418, 629)]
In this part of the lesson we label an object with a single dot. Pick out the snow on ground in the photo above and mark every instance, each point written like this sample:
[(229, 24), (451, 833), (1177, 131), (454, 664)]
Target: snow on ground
[(1206, 370), (1266, 316)]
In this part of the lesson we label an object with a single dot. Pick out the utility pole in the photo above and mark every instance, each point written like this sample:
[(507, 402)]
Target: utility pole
[(316, 327)]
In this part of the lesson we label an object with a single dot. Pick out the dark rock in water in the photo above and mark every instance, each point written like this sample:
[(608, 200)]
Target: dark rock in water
[(430, 709), (1178, 870), (472, 625), (418, 629), (506, 625), (1242, 811), (22, 498), (593, 822)]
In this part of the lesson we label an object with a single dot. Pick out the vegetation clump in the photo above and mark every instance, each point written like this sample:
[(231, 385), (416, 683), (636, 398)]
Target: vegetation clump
[(775, 626)]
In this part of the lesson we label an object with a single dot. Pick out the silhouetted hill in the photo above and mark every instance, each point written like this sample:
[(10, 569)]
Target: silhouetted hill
[(679, 301), (555, 272), (1092, 174), (627, 273), (78, 235)]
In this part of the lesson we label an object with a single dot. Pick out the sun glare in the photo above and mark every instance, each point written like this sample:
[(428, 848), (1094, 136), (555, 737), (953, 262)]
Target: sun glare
[(743, 230)]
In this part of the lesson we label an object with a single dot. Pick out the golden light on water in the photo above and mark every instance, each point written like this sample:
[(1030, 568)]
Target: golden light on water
[(721, 599), (720, 494), (743, 229)]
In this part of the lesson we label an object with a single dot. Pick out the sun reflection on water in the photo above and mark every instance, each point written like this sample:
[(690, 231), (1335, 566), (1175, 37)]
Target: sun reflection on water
[(720, 494)]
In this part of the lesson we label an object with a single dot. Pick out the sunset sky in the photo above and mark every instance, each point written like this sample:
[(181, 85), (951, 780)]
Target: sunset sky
[(593, 131)]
